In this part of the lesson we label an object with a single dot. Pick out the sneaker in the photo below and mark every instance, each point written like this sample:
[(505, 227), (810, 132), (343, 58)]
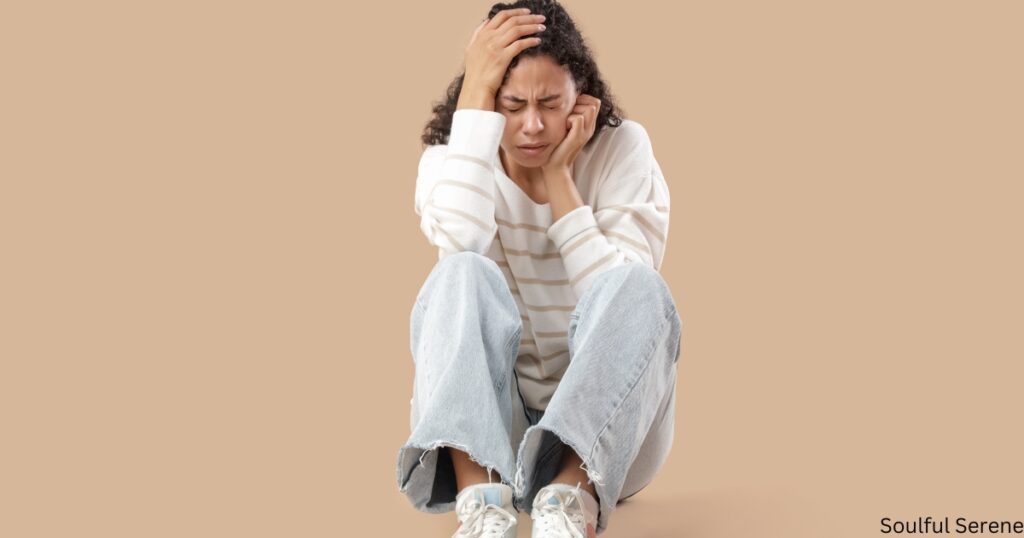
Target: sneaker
[(564, 511), (485, 510)]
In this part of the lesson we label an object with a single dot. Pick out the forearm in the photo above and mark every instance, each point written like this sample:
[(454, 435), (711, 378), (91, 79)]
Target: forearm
[(476, 98)]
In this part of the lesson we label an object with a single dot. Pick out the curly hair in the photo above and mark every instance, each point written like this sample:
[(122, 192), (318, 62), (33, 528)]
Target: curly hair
[(563, 43)]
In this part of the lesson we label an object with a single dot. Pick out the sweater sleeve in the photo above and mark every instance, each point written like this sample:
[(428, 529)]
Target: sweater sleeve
[(630, 221), (455, 186)]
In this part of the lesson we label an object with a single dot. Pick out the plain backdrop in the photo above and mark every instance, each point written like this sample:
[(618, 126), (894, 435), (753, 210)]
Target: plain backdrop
[(209, 255)]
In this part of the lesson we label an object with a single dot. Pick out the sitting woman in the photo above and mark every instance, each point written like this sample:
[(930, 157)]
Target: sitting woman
[(544, 340)]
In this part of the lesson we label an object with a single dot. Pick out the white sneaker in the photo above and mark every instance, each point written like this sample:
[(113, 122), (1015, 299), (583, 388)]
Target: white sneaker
[(485, 510), (564, 511)]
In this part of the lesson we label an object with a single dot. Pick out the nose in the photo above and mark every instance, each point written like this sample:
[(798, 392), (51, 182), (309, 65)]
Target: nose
[(532, 123)]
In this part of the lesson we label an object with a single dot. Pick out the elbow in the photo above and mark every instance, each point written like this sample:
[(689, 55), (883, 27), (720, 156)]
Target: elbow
[(459, 237)]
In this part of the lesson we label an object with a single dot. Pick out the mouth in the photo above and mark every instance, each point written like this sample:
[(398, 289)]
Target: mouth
[(533, 149)]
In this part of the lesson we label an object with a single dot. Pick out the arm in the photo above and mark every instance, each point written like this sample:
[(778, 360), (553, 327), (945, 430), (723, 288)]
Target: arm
[(630, 222), (455, 188)]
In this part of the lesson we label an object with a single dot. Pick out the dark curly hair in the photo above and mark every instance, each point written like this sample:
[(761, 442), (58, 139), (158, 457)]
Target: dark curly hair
[(560, 41)]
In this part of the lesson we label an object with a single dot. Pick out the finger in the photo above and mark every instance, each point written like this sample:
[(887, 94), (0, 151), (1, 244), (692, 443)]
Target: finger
[(504, 15), (518, 20), (575, 123), (520, 45), (586, 110), (516, 32)]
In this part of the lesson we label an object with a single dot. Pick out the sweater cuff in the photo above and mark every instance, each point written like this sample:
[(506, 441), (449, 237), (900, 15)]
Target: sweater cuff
[(476, 133), (572, 224)]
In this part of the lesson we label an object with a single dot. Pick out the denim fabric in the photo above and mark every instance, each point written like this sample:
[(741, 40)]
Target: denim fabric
[(614, 405)]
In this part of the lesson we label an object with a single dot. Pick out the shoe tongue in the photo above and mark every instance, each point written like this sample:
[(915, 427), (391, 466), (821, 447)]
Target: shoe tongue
[(491, 495)]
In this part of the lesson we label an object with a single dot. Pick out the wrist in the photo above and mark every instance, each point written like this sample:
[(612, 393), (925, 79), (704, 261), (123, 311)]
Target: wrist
[(476, 98), (555, 171)]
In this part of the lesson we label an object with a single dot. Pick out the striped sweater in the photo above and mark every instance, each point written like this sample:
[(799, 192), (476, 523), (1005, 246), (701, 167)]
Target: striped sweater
[(466, 201)]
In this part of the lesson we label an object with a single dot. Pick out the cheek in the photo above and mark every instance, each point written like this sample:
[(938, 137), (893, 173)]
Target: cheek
[(510, 130)]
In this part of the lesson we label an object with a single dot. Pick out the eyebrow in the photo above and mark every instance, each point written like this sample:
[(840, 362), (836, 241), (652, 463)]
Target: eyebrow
[(516, 99)]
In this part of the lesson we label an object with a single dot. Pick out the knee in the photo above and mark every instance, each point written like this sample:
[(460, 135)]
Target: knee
[(467, 274), (638, 279), (467, 263), (639, 283)]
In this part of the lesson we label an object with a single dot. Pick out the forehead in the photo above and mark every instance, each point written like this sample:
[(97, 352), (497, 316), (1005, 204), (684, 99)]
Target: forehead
[(535, 76)]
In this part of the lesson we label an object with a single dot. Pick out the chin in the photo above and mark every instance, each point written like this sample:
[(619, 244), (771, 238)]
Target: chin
[(527, 161)]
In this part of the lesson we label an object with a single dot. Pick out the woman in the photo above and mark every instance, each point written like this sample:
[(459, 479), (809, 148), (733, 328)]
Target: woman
[(544, 340)]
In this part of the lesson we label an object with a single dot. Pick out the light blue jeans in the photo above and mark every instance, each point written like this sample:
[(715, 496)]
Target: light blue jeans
[(614, 405)]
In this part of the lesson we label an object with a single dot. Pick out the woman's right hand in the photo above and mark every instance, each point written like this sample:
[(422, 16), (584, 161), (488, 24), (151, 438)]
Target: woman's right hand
[(493, 45)]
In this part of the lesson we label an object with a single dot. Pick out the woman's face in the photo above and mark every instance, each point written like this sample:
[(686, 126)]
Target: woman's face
[(536, 101)]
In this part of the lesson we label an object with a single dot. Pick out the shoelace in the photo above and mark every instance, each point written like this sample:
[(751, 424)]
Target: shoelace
[(562, 520), (480, 520)]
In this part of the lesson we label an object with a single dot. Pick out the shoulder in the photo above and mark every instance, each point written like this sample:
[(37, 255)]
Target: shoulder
[(626, 140), (625, 149)]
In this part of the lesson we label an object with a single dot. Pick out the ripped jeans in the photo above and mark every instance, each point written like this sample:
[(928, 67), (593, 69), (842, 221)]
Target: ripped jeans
[(614, 405)]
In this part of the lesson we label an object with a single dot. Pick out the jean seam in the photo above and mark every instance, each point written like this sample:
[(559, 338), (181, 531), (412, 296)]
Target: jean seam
[(618, 407), (508, 351)]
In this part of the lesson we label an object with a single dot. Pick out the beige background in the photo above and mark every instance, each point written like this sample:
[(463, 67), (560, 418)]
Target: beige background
[(209, 254)]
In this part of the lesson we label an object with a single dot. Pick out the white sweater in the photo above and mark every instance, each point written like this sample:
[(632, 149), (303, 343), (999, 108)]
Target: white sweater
[(466, 201)]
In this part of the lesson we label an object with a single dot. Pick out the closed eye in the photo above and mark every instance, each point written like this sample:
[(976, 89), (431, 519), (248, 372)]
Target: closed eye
[(520, 108)]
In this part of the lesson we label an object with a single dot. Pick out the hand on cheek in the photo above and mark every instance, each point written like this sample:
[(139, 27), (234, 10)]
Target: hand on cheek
[(580, 127)]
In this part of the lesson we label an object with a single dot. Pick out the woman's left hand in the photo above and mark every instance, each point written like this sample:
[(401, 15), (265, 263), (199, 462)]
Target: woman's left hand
[(581, 122)]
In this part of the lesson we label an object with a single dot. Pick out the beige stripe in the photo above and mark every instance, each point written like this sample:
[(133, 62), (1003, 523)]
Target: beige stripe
[(545, 256), (549, 381), (545, 308), (528, 342), (470, 159), (464, 215), (639, 218), (542, 282), (583, 238), (587, 237), (658, 208), (539, 363), (551, 334), (631, 241), (593, 266), (549, 308), (524, 226), (466, 186), (536, 362), (502, 264), (448, 236), (555, 354)]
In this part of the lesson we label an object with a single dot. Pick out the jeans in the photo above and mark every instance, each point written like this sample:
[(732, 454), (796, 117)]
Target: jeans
[(614, 405)]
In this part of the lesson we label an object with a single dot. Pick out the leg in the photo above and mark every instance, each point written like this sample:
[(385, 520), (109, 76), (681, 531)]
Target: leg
[(467, 472), (614, 403), (465, 330), (570, 471)]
